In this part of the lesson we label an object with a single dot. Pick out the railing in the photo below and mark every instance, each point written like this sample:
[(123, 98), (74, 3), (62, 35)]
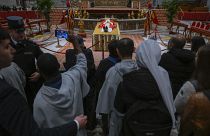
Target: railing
[(124, 24)]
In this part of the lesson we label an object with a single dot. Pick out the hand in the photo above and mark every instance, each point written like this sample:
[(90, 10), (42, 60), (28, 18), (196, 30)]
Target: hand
[(72, 39), (34, 77), (82, 120)]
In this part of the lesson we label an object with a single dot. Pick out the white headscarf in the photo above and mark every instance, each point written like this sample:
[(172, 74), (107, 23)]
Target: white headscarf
[(148, 55)]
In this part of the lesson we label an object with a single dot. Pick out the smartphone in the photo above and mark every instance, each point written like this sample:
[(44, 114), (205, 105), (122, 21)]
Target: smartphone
[(61, 34)]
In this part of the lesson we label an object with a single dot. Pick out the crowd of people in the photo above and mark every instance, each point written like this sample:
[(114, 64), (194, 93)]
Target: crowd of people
[(159, 95)]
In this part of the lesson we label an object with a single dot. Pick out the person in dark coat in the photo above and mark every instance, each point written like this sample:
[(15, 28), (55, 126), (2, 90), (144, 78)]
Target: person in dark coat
[(26, 54), (149, 83), (99, 77), (71, 61), (15, 117), (105, 104), (105, 65), (71, 58), (197, 42), (178, 62)]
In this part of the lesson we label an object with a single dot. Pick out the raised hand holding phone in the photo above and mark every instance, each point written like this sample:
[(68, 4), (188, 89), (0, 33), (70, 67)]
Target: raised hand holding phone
[(74, 40), (61, 34)]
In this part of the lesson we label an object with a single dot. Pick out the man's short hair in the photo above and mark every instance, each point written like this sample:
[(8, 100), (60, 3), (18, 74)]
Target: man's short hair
[(112, 46), (177, 42), (126, 47), (197, 42), (48, 65), (3, 35)]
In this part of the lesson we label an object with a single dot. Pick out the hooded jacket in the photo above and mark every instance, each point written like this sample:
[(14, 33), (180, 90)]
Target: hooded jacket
[(15, 77), (54, 107), (113, 78), (136, 85), (180, 65), (16, 118)]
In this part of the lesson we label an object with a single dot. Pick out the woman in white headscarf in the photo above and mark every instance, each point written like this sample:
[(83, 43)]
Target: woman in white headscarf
[(149, 83), (149, 55)]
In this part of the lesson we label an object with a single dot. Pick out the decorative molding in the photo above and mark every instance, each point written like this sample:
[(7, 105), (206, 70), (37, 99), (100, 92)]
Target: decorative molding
[(135, 4), (111, 3)]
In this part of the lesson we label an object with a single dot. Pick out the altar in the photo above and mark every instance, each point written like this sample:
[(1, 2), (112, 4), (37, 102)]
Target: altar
[(100, 39)]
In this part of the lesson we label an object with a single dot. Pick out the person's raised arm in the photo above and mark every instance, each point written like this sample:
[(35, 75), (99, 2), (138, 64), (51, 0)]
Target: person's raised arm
[(81, 62), (74, 40)]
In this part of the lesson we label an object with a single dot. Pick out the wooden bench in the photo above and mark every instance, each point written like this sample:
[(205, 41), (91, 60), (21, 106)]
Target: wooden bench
[(37, 23)]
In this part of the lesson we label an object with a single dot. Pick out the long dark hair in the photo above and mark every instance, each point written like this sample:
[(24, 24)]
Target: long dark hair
[(202, 70)]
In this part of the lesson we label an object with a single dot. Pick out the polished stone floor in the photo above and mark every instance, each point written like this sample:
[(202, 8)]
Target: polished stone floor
[(48, 43)]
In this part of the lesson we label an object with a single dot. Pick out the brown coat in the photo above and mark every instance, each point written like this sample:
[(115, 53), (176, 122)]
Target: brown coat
[(196, 117)]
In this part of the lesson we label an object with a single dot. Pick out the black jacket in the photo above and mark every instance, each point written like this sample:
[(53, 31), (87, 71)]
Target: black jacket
[(26, 53), (96, 83), (136, 85), (71, 61), (136, 95), (16, 118), (180, 65), (100, 73)]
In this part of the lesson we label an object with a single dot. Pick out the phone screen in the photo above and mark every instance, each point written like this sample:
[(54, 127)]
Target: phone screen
[(61, 34)]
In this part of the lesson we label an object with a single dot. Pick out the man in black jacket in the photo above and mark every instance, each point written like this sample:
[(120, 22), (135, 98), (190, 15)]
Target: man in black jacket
[(71, 58), (15, 116), (178, 62), (105, 65), (26, 54), (70, 62), (99, 77)]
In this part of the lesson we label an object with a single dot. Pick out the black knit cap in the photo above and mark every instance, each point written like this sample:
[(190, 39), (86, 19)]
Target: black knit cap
[(16, 22)]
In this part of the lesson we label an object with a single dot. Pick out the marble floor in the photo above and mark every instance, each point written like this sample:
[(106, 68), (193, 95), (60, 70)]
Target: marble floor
[(49, 43)]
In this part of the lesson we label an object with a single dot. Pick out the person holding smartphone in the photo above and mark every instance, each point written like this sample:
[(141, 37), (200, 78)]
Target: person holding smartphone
[(15, 116), (61, 96)]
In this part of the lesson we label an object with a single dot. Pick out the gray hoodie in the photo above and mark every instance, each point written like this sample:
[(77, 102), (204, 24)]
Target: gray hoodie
[(113, 78), (14, 76), (54, 107)]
